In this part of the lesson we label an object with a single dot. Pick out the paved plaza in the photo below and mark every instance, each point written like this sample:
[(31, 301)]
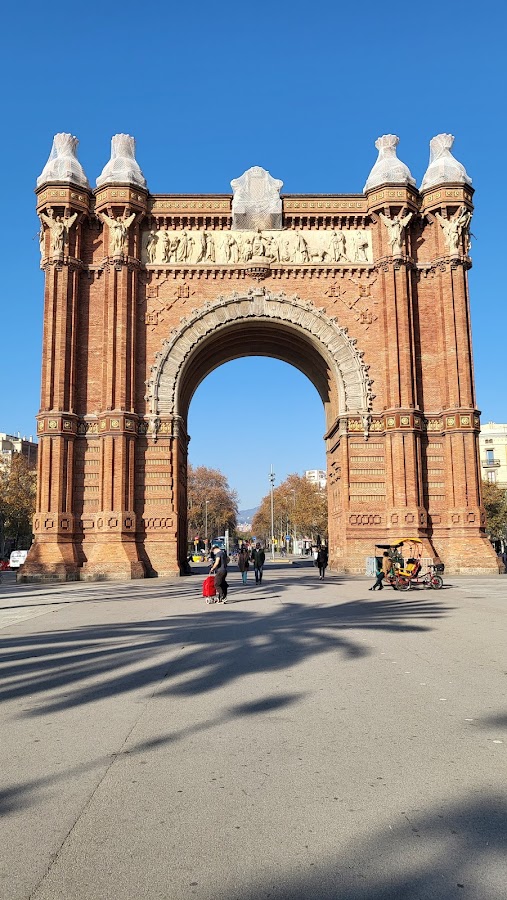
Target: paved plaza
[(308, 740)]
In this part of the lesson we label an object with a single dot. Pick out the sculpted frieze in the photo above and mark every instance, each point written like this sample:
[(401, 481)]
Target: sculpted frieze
[(168, 247)]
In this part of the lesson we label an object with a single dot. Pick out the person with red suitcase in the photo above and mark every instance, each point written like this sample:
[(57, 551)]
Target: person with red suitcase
[(219, 571)]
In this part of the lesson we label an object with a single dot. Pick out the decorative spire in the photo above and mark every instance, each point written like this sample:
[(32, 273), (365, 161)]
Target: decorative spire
[(388, 169), (63, 164), (123, 167), (443, 167)]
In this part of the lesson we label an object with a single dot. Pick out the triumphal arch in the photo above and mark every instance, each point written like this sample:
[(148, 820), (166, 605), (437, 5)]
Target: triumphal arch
[(145, 294)]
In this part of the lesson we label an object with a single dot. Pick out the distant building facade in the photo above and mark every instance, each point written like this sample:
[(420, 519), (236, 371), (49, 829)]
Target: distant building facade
[(11, 444), (493, 453), (316, 476)]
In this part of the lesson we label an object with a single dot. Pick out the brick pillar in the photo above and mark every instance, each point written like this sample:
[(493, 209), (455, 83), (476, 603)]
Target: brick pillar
[(406, 514), (161, 496), (113, 551), (337, 492), (459, 535), (53, 555)]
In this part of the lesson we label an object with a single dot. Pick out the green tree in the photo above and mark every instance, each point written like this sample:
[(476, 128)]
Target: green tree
[(18, 486), (495, 504), (298, 504), (210, 485)]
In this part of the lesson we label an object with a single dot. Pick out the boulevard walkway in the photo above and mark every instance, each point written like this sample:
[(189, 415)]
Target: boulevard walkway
[(308, 740)]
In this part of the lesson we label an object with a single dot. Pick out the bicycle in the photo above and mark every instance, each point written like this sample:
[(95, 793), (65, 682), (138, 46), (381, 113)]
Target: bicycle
[(406, 578)]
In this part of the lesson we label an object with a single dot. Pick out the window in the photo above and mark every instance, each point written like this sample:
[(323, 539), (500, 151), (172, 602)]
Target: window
[(492, 476), (490, 456)]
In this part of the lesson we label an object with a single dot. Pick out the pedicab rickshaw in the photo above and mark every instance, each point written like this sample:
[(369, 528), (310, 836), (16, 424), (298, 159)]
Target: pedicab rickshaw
[(407, 573)]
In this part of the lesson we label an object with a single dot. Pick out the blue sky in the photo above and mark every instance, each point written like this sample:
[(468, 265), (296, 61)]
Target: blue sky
[(209, 90)]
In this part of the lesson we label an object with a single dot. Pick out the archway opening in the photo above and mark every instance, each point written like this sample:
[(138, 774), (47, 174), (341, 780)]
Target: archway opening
[(248, 415)]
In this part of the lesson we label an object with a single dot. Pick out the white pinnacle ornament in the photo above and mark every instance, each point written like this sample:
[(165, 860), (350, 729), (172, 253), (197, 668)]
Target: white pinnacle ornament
[(63, 164), (388, 169), (443, 167), (123, 167)]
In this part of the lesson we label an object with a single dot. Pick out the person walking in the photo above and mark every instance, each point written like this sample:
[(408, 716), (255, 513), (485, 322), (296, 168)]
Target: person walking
[(322, 560), (243, 563), (384, 571), (258, 559), (219, 571)]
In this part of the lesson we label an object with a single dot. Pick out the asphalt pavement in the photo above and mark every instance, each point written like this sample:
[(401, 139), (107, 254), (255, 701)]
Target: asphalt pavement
[(308, 740)]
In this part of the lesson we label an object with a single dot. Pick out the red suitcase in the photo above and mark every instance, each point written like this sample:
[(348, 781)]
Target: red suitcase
[(208, 587)]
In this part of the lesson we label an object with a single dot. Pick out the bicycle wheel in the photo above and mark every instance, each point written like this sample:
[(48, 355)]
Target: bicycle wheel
[(436, 582), (402, 583)]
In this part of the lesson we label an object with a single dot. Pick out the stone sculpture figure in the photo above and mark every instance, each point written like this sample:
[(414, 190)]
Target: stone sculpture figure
[(118, 232), (258, 244), (151, 246), (58, 229), (256, 202), (210, 247), (190, 247), (231, 249), (360, 247), (182, 248), (201, 247), (273, 250), (166, 245), (396, 230), (336, 249), (246, 249), (454, 228), (301, 254), (286, 252)]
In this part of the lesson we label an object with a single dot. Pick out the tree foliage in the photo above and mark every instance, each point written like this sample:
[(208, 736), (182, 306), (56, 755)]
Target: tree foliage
[(211, 485), (18, 485), (299, 503), (495, 504)]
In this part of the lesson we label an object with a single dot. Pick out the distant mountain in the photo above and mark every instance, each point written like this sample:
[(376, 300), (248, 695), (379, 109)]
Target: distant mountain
[(245, 516)]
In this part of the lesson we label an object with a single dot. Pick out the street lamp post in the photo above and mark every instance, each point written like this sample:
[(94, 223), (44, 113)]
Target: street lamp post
[(293, 492), (206, 525), (272, 481)]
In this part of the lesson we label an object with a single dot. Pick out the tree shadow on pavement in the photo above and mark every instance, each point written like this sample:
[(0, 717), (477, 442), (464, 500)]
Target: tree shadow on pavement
[(19, 796), (195, 652), (456, 850)]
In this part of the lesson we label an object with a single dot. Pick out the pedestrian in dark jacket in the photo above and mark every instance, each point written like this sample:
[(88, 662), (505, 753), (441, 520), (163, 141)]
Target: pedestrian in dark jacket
[(258, 559), (219, 571), (321, 561), (243, 563)]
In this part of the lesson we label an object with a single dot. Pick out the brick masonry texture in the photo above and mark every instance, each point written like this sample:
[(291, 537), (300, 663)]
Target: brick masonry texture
[(112, 466)]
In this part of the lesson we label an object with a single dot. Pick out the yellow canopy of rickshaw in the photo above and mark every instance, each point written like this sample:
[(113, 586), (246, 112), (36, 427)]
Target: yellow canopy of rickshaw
[(409, 540)]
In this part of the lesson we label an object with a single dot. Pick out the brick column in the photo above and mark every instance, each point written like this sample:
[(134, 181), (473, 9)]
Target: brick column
[(53, 555), (114, 551), (459, 534), (405, 510)]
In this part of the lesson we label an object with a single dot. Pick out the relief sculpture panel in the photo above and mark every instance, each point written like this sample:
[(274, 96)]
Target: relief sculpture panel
[(168, 247)]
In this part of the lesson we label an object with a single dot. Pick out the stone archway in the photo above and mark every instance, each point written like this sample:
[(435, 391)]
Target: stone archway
[(256, 322), (166, 390), (126, 273)]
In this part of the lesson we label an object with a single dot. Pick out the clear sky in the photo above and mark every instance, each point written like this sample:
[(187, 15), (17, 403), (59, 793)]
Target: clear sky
[(210, 89)]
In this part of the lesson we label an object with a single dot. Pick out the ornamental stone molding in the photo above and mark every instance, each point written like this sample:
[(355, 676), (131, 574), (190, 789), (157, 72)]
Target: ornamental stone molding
[(257, 304)]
